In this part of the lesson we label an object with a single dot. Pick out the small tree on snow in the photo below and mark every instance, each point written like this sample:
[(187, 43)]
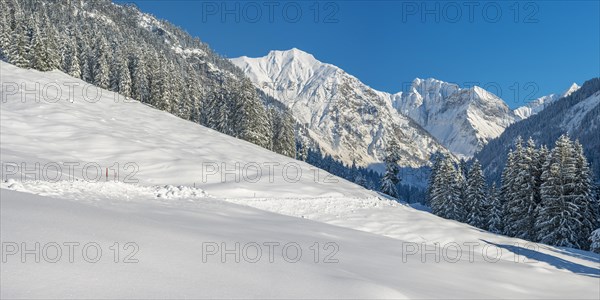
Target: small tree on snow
[(595, 241)]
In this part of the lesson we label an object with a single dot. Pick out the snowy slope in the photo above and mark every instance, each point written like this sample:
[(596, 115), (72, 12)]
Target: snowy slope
[(351, 120), (170, 235), (170, 224), (163, 148), (539, 104)]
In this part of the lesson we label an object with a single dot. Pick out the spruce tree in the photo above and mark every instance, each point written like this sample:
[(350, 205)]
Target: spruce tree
[(445, 199), (594, 241), (584, 198), (522, 191), (18, 50), (72, 64), (140, 89), (100, 65), (495, 211), (5, 33), (390, 180), (283, 134), (476, 206), (559, 220), (435, 166)]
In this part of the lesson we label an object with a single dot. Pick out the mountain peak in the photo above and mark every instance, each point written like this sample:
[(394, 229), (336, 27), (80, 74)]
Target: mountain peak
[(574, 87), (293, 54)]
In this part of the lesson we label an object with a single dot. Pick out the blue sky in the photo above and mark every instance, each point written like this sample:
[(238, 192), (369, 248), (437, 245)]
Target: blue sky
[(518, 50)]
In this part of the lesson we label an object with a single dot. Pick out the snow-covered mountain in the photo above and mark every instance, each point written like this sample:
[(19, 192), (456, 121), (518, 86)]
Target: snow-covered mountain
[(350, 120), (540, 103), (462, 119), (324, 97), (577, 114), (162, 241)]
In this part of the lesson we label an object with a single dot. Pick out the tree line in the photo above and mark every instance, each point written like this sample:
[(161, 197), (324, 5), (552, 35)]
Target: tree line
[(545, 196)]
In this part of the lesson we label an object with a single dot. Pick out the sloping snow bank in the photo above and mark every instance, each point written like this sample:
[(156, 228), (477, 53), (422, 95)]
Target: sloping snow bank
[(66, 125)]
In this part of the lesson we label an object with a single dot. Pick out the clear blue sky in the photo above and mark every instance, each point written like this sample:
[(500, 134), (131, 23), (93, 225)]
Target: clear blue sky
[(519, 50)]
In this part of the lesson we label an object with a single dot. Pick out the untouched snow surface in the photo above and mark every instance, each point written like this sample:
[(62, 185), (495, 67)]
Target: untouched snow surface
[(140, 144), (171, 234)]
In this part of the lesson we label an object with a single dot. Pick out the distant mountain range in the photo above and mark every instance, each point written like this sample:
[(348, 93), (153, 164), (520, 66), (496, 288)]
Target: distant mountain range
[(353, 121)]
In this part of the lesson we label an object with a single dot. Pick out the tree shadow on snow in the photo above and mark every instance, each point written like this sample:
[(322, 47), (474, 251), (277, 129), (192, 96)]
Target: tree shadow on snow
[(582, 254), (557, 262)]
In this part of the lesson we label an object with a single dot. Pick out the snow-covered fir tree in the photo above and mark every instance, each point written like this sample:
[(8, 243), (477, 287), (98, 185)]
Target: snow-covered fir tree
[(521, 190), (594, 241), (522, 207), (559, 220), (584, 196), (283, 140), (71, 60), (100, 67), (495, 211), (476, 203), (445, 193), (390, 179), (436, 161)]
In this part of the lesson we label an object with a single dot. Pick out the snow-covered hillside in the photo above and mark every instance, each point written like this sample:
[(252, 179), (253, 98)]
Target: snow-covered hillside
[(173, 237), (350, 120), (111, 132)]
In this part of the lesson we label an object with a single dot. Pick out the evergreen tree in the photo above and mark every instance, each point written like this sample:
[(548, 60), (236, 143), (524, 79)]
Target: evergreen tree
[(18, 50), (49, 35), (100, 69), (249, 116), (283, 134), (584, 198), (5, 30), (476, 209), (72, 63), (435, 166), (445, 200), (462, 177), (43, 55), (559, 220), (390, 180), (140, 86), (507, 190), (360, 180), (495, 211), (595, 241), (522, 191), (85, 58), (124, 87)]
